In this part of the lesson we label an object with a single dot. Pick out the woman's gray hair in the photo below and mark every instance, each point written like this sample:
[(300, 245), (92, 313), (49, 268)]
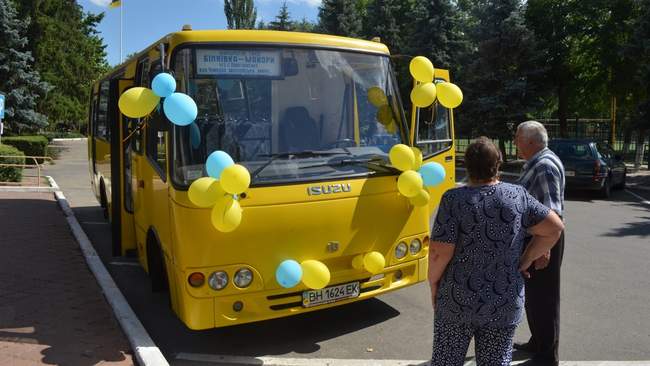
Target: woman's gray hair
[(535, 131)]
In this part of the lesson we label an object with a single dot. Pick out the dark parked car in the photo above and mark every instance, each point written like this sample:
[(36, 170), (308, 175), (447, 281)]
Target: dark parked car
[(590, 164)]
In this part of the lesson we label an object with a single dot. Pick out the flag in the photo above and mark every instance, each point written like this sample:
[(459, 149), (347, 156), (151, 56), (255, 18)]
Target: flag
[(115, 3)]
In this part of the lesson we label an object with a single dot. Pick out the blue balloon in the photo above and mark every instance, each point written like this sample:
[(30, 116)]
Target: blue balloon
[(217, 162), (195, 136), (432, 174), (163, 85), (180, 109), (289, 273)]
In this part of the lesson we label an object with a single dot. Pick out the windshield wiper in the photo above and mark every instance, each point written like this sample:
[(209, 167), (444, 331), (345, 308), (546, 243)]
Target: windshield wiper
[(373, 163), (297, 154)]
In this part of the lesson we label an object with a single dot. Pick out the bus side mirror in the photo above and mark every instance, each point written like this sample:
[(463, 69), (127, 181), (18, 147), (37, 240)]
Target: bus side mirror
[(289, 66)]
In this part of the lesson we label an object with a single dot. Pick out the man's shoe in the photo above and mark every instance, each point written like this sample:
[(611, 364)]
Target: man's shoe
[(524, 346)]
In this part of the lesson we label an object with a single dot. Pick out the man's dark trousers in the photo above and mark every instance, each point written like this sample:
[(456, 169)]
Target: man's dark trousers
[(543, 306)]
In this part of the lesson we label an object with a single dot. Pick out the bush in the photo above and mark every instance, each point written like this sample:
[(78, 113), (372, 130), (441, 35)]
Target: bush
[(29, 145), (11, 173)]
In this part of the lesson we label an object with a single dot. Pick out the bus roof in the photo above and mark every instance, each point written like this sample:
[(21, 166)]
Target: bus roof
[(275, 37)]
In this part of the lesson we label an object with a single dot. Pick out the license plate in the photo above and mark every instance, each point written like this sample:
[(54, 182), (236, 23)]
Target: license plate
[(330, 294), (570, 173)]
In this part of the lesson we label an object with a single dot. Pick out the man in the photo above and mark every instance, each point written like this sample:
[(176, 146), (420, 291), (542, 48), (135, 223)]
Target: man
[(543, 177)]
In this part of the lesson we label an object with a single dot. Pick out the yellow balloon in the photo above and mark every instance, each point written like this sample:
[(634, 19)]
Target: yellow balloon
[(421, 69), (374, 262), (235, 179), (449, 95), (357, 262), (391, 127), (138, 102), (421, 199), (315, 274), (402, 157), (385, 114), (205, 191), (418, 158), (409, 183), (423, 95), (226, 214), (377, 97)]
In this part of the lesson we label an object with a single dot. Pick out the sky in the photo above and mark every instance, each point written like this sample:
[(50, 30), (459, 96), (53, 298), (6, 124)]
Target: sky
[(146, 21)]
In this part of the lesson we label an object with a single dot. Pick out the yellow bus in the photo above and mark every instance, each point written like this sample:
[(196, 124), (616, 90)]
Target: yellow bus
[(293, 109)]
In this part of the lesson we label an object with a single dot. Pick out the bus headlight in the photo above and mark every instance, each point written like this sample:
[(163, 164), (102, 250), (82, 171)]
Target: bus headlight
[(243, 278), (415, 246), (400, 250), (218, 280)]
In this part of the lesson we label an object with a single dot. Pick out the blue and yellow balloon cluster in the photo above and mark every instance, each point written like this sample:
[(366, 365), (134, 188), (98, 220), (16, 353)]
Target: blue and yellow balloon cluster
[(426, 92), (138, 102), (313, 274), (220, 190), (416, 177)]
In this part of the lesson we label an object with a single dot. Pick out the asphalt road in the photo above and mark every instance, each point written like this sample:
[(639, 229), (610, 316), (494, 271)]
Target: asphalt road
[(605, 293)]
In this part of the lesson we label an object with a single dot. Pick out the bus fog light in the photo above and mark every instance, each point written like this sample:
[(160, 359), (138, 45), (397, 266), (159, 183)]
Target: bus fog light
[(243, 278), (218, 280), (196, 279), (238, 306), (415, 246), (398, 275), (400, 250)]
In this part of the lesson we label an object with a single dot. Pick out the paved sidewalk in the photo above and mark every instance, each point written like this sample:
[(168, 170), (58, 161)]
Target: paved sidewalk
[(51, 308)]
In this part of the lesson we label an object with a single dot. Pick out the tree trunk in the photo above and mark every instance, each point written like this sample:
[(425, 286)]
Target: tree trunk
[(640, 149), (562, 102), (627, 138), (502, 147)]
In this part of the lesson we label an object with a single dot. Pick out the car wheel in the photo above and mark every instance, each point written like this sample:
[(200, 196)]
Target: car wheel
[(606, 191)]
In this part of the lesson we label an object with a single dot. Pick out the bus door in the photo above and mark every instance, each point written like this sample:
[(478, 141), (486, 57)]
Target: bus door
[(138, 160), (433, 134), (127, 239)]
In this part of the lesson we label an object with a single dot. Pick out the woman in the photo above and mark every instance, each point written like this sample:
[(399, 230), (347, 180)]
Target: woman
[(475, 260)]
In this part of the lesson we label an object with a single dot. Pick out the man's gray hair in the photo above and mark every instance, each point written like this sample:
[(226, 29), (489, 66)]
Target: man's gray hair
[(535, 131)]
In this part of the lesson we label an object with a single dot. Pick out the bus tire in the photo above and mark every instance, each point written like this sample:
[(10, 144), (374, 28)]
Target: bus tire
[(156, 264), (103, 201)]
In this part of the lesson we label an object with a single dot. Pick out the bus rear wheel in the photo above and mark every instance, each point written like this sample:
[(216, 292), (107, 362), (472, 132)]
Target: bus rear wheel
[(156, 265), (103, 201)]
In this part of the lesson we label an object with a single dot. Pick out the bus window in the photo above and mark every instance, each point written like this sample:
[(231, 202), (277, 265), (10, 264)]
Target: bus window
[(434, 133), (101, 118), (156, 135)]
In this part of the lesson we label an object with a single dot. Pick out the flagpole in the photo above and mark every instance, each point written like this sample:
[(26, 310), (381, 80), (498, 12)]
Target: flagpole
[(121, 16)]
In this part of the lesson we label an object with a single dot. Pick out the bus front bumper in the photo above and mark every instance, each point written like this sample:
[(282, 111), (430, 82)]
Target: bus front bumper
[(264, 305)]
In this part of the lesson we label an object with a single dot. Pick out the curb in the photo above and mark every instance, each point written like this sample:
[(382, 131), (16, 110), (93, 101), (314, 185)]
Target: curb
[(71, 139), (27, 189), (144, 349)]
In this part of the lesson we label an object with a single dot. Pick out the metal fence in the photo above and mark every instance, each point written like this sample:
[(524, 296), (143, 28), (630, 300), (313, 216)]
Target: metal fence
[(33, 170)]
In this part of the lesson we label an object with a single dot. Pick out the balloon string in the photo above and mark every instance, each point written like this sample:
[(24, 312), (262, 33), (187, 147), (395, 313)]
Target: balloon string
[(140, 126)]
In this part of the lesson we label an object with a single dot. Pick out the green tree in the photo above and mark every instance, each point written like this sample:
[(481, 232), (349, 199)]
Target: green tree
[(557, 30), (69, 55), (437, 33), (340, 17), (304, 26), (499, 82), (381, 21), (240, 14), (20, 82), (282, 21)]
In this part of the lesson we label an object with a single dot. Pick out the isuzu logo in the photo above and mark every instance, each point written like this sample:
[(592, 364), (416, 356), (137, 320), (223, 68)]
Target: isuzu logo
[(328, 189)]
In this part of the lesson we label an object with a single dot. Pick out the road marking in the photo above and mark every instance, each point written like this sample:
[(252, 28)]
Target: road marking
[(642, 199), (281, 361)]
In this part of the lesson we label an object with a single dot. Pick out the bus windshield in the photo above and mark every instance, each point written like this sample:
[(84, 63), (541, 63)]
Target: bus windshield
[(287, 114)]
